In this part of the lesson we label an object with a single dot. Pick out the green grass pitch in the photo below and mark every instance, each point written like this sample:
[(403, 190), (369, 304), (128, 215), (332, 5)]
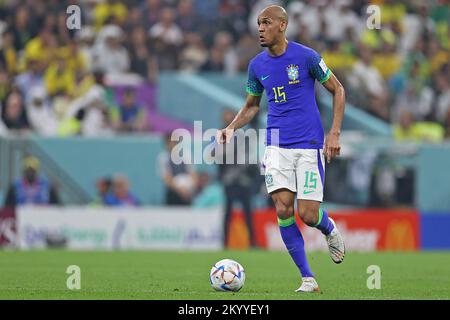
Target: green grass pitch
[(178, 275)]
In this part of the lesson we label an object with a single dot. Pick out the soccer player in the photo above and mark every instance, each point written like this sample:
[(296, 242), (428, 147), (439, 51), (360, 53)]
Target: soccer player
[(295, 143)]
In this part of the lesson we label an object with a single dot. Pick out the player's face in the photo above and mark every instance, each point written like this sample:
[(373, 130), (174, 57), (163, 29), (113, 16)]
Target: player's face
[(269, 29)]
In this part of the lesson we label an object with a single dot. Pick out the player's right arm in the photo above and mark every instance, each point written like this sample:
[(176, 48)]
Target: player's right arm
[(244, 116), (248, 111)]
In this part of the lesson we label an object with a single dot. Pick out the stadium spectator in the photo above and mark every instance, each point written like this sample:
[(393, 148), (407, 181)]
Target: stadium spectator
[(215, 62), (103, 186), (73, 56), (194, 54), (426, 23), (442, 85), (410, 130), (140, 55), (366, 80), (32, 77), (167, 39), (129, 116), (180, 179), (386, 61), (5, 83), (59, 79), (338, 17), (337, 58), (312, 16), (417, 98), (121, 194), (383, 184), (166, 29), (404, 129), (232, 17), (21, 28), (8, 54), (186, 19), (88, 115), (296, 25), (133, 21), (108, 9), (139, 50), (247, 48), (32, 187), (236, 175), (41, 48), (150, 12), (40, 114), (437, 56), (110, 56), (303, 36), (14, 115), (208, 11), (40, 11), (223, 43), (86, 38), (209, 193)]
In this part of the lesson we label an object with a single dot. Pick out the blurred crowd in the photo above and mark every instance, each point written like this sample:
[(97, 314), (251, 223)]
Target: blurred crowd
[(115, 191), (398, 72), (55, 81)]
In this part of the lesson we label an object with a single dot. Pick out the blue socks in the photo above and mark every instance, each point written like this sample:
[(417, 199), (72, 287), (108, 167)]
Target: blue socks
[(292, 238), (324, 224)]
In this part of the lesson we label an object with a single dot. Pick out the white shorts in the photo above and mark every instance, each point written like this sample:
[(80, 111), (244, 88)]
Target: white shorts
[(299, 170)]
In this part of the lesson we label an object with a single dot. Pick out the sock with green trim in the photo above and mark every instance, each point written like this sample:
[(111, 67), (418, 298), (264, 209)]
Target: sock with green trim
[(293, 239), (324, 224)]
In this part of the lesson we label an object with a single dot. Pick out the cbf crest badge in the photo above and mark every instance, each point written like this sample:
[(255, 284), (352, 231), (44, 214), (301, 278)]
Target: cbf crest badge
[(292, 72), (269, 180)]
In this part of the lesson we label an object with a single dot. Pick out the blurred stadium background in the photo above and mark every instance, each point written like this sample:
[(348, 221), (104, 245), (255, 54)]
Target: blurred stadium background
[(85, 114)]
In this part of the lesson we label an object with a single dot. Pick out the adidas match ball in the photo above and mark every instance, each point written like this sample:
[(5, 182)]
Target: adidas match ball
[(227, 275)]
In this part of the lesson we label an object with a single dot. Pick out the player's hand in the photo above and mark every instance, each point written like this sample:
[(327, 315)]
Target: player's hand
[(332, 147), (224, 135)]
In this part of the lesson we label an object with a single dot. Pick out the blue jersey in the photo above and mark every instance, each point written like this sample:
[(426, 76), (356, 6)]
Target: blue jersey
[(293, 116)]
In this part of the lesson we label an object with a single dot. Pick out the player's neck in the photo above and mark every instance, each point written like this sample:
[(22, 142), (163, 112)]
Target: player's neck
[(279, 48)]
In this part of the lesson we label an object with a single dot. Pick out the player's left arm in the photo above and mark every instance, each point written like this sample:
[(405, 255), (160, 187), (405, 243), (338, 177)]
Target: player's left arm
[(332, 145), (319, 71)]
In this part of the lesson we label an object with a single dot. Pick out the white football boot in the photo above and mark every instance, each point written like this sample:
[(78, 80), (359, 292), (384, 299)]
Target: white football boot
[(336, 244), (309, 284)]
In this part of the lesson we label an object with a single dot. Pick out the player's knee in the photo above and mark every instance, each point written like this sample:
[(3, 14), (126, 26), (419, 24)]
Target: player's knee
[(308, 216), (284, 211)]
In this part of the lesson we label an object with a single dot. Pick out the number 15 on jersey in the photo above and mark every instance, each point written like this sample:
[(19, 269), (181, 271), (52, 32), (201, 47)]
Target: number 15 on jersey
[(279, 94)]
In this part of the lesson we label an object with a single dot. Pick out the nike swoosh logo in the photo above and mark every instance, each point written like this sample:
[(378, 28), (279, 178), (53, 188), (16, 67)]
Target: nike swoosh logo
[(308, 192), (264, 78)]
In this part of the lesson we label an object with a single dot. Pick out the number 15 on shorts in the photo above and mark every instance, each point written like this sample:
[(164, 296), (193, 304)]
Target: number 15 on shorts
[(310, 182)]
